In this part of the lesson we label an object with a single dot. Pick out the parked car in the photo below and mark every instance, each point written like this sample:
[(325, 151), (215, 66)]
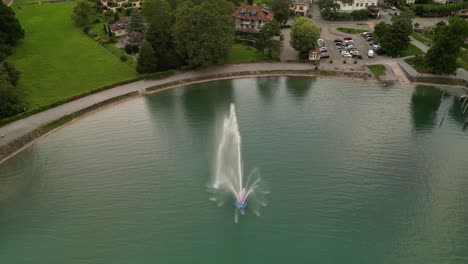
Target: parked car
[(323, 49), (370, 54), (369, 39), (324, 55), (339, 43), (355, 53), (347, 55), (348, 38), (321, 45), (350, 47), (379, 51), (340, 47), (337, 40), (320, 40), (365, 34)]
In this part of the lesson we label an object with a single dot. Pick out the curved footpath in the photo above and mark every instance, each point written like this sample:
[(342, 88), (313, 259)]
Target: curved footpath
[(26, 125)]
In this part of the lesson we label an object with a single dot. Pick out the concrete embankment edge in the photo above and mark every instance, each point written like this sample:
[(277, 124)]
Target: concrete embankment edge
[(16, 146)]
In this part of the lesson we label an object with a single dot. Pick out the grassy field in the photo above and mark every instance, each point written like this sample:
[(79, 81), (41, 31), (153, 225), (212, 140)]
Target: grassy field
[(377, 70), (243, 53), (57, 59), (351, 30)]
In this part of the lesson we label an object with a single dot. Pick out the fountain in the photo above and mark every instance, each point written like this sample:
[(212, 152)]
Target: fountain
[(228, 179)]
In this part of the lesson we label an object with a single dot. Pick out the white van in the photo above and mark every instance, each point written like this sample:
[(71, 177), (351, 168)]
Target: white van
[(370, 54)]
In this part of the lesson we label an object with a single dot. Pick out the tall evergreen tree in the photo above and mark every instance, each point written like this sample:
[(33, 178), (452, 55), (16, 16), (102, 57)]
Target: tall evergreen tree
[(328, 8), (204, 32), (146, 62), (10, 30), (83, 13), (395, 37), (443, 54), (159, 34), (265, 39), (136, 22), (280, 10)]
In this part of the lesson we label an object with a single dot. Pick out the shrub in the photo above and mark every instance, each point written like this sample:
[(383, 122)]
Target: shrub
[(360, 14), (131, 49), (123, 58), (111, 4), (86, 29), (92, 33)]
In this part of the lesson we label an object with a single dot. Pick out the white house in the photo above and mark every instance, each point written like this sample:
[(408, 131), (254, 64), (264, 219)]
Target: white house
[(300, 6), (410, 2), (350, 5)]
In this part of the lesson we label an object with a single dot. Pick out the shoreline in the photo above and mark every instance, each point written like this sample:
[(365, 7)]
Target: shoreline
[(21, 143)]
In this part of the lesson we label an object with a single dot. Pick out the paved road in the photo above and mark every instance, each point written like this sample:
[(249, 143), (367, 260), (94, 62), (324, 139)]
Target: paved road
[(419, 44), (21, 127)]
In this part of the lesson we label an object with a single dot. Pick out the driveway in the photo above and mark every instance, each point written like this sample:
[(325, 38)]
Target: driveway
[(288, 53)]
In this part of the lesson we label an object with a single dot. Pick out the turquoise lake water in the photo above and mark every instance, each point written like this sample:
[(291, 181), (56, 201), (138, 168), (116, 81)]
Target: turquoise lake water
[(359, 173)]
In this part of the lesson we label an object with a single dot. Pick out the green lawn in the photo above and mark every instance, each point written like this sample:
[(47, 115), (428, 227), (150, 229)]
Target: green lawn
[(411, 50), (377, 70), (57, 59), (351, 30), (419, 64), (463, 59), (420, 38), (243, 53)]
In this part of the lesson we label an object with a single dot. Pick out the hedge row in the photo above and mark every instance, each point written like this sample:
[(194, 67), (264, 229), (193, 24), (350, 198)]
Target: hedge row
[(157, 75), (362, 14), (433, 10)]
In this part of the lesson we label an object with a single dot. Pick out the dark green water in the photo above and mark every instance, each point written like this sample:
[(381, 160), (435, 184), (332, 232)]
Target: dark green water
[(359, 173)]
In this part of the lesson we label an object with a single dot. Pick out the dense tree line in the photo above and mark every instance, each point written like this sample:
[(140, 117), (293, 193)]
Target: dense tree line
[(197, 33), (434, 10), (11, 32), (189, 33)]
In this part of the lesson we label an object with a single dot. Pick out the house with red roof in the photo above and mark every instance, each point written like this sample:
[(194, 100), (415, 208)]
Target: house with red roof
[(251, 18), (119, 28)]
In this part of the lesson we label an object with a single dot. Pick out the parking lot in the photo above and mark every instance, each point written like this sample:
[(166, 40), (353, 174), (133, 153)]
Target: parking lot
[(358, 42)]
